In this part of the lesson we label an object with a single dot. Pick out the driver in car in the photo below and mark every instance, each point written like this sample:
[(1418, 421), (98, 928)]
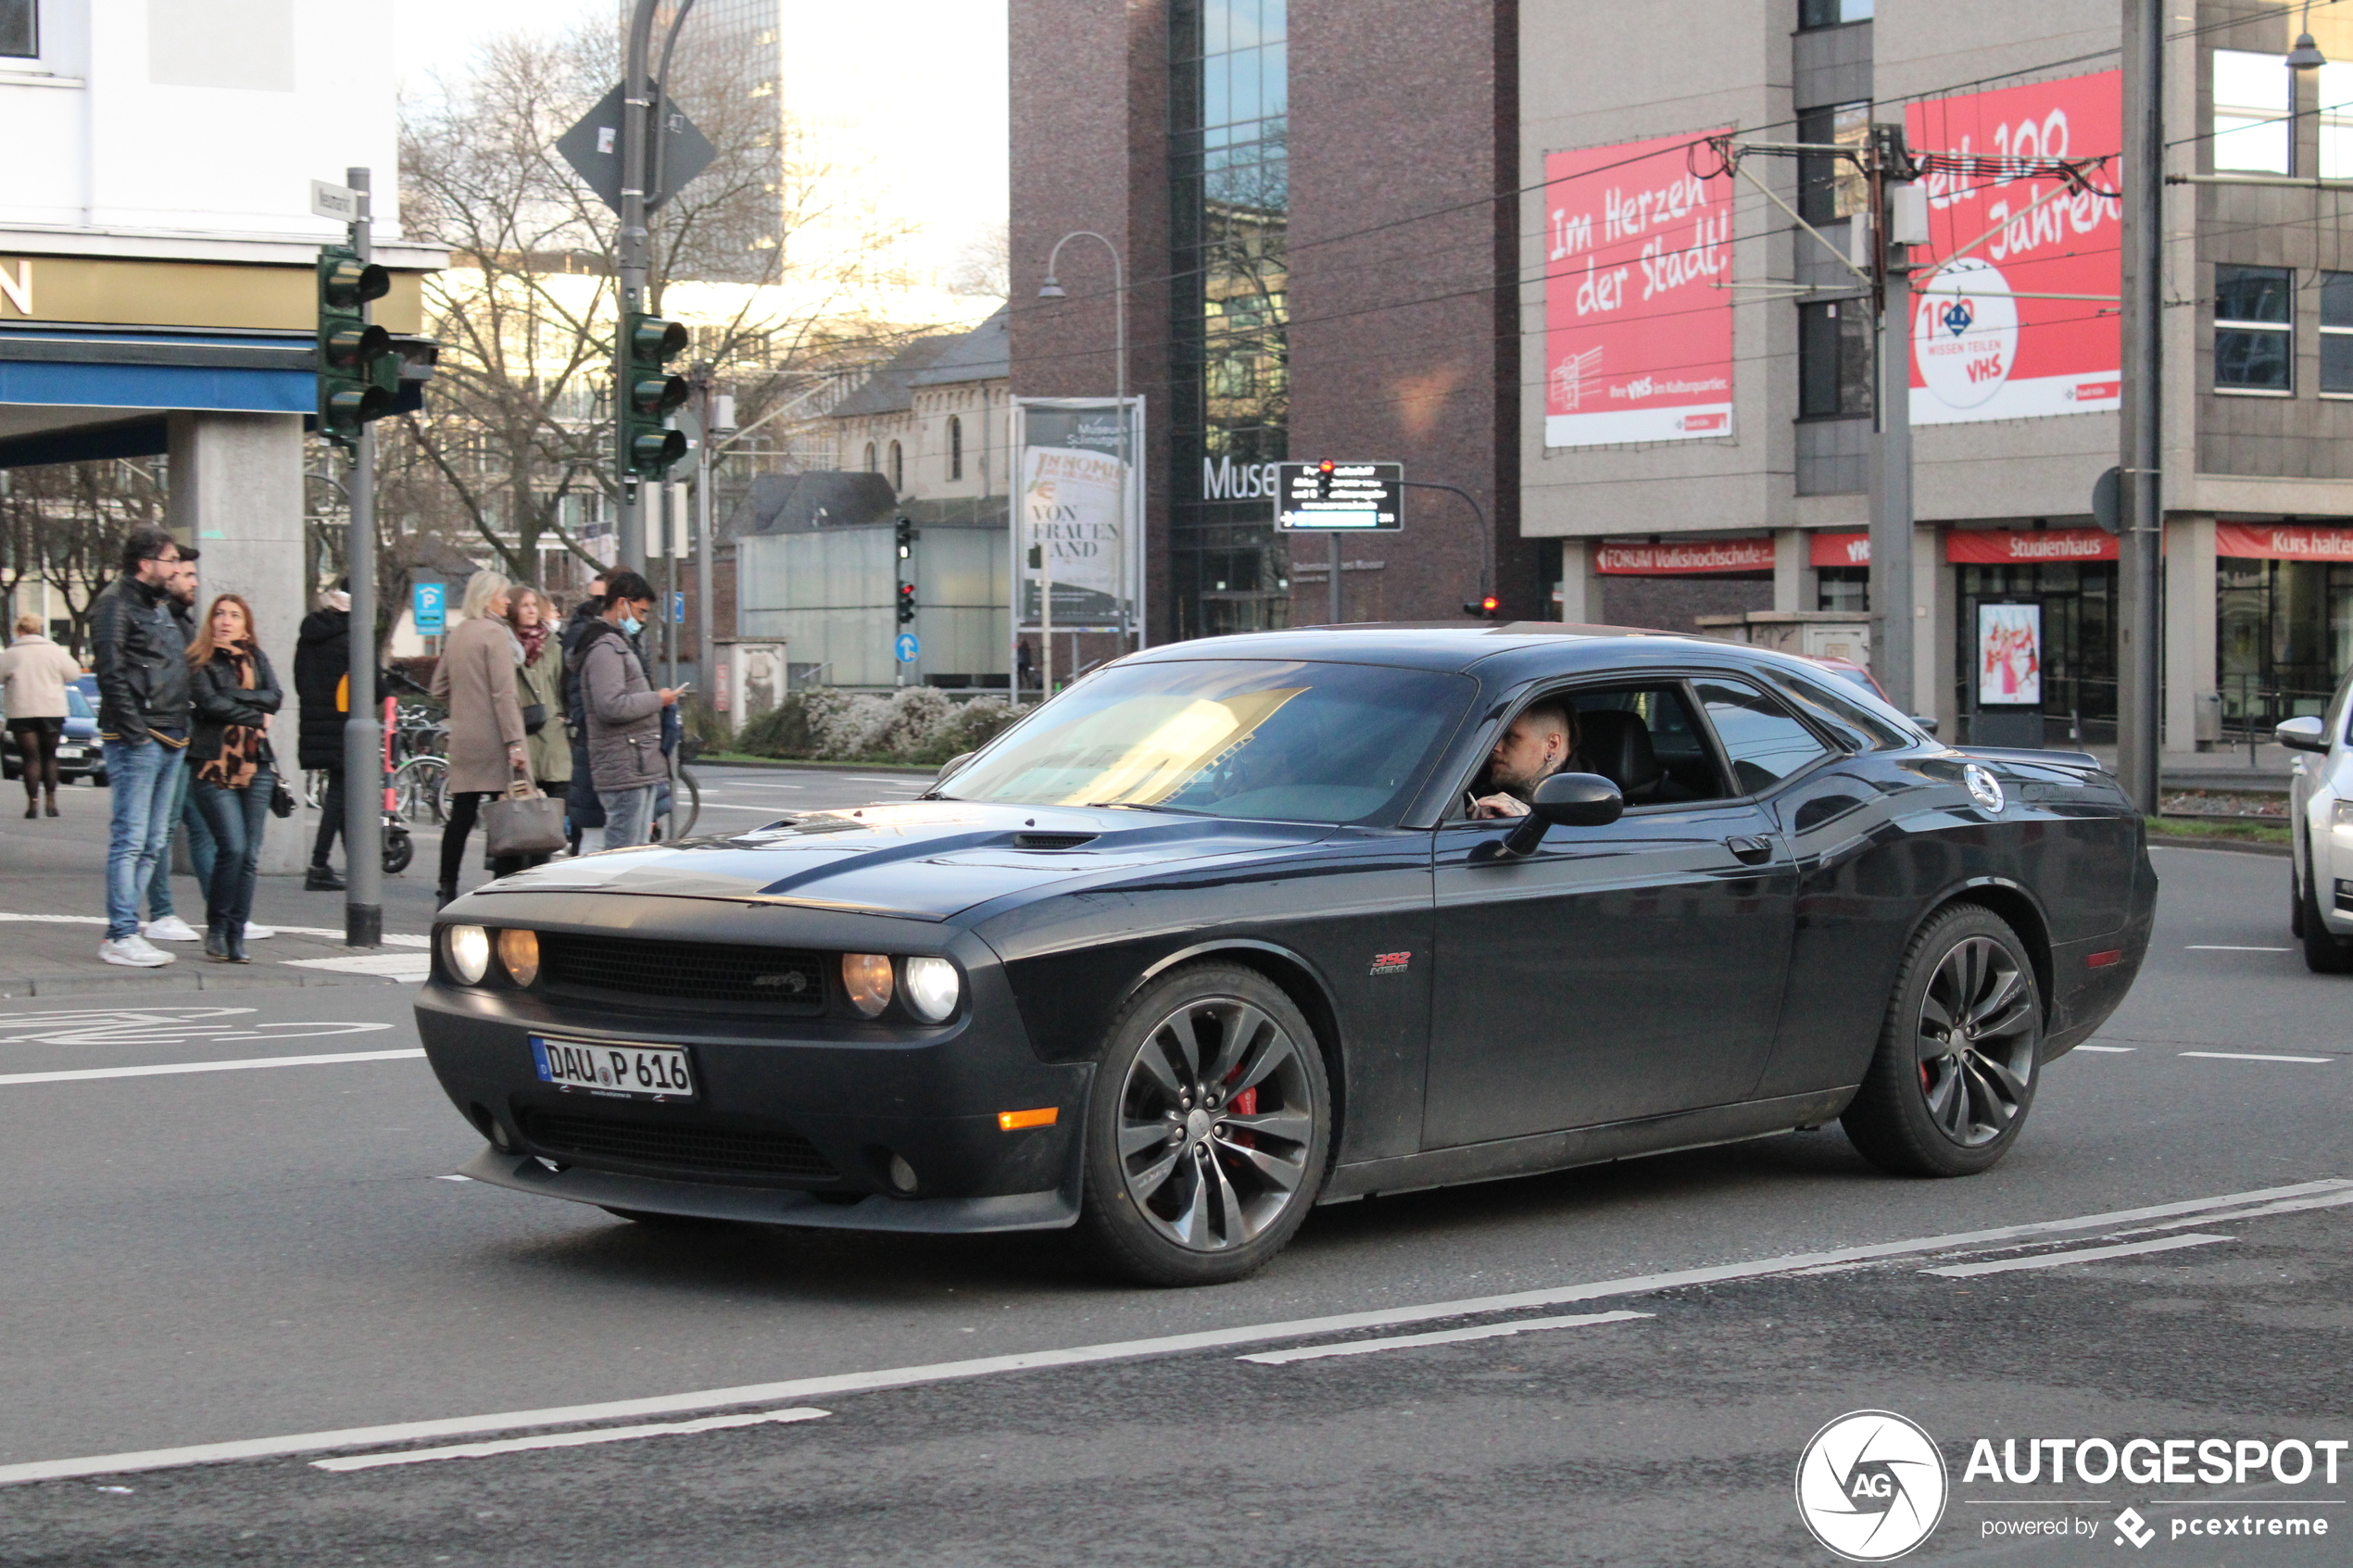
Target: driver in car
[(1537, 744)]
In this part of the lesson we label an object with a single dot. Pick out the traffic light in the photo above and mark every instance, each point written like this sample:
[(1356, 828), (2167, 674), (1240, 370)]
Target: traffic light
[(1486, 609), (906, 603), (359, 369), (1323, 480), (908, 534), (903, 597), (651, 393)]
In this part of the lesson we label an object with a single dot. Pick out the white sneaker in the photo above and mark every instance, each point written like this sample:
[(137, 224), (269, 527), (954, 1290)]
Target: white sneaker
[(171, 928), (133, 952), (260, 933)]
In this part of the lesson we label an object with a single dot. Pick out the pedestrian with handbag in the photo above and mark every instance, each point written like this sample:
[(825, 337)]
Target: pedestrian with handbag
[(35, 674), (476, 679), (542, 693), (624, 711), (235, 691)]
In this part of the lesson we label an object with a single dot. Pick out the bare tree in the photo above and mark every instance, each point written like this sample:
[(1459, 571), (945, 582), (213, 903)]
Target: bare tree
[(61, 524)]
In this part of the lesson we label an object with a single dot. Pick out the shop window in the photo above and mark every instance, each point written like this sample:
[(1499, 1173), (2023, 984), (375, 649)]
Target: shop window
[(2252, 99), (2336, 335), (1831, 188), (955, 447), (1846, 589), (2254, 329), (20, 29), (2336, 121), (1834, 359), (1812, 14)]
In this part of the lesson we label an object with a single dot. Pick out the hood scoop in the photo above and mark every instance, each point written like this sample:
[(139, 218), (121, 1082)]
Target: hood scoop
[(1053, 840)]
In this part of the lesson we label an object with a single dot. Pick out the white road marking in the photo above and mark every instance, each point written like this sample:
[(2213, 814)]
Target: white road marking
[(1444, 1337), (79, 1074), (391, 939), (2219, 948), (163, 1026), (1122, 1351), (568, 1440), (389, 966), (2253, 1056), (2082, 1255), (2110, 1050)]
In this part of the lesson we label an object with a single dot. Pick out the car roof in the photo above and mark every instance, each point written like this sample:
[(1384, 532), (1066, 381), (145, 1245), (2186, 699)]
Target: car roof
[(1553, 645)]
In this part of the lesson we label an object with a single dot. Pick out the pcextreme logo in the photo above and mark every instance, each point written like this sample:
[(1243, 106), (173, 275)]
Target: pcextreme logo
[(1871, 1486)]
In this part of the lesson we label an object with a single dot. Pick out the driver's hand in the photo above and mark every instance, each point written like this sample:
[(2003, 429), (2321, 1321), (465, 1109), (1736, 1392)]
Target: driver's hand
[(1488, 805)]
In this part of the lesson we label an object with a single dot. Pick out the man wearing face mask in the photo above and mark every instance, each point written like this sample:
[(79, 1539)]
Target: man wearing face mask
[(623, 709)]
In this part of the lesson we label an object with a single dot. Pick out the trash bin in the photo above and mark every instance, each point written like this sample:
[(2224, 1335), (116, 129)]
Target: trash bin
[(2208, 731)]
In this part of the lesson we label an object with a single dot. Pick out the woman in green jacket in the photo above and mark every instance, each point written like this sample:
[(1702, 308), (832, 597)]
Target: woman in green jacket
[(540, 684)]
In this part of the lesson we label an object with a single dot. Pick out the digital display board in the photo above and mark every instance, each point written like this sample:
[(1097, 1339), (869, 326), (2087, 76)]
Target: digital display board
[(1340, 497)]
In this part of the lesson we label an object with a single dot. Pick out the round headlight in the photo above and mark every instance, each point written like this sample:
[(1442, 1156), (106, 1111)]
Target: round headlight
[(468, 949), (519, 952), (933, 986), (867, 977)]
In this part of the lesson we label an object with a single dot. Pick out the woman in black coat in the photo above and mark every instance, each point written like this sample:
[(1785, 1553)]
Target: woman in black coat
[(235, 693), (322, 673)]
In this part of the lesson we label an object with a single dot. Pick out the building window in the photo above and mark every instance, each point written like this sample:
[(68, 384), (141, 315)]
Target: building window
[(2336, 121), (2336, 335), (2252, 99), (1834, 359), (1812, 14), (2254, 329), (955, 447), (898, 468), (1846, 589), (870, 459), (20, 29), (1832, 188)]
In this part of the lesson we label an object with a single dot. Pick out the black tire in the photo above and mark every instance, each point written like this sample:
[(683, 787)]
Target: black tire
[(1233, 1178), (2325, 953), (400, 850), (2294, 907), (1950, 1086)]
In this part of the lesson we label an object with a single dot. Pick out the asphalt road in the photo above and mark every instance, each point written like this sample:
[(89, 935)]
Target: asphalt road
[(206, 1257)]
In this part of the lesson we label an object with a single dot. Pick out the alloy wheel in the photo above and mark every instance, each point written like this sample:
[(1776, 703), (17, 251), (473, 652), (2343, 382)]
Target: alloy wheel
[(1215, 1121), (1976, 1041)]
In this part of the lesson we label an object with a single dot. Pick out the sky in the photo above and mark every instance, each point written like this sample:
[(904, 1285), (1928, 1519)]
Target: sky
[(920, 83)]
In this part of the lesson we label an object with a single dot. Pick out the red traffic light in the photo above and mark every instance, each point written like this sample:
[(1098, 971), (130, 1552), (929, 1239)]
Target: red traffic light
[(1325, 466), (1486, 608)]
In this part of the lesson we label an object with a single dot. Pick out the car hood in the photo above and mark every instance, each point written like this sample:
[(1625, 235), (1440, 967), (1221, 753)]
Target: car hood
[(926, 859)]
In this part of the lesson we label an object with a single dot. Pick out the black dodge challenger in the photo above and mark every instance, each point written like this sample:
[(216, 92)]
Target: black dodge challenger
[(1223, 932)]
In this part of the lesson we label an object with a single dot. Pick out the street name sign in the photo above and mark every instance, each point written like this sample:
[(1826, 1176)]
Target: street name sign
[(1351, 497)]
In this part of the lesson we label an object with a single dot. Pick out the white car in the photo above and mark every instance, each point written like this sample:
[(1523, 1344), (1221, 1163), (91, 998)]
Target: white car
[(2321, 816)]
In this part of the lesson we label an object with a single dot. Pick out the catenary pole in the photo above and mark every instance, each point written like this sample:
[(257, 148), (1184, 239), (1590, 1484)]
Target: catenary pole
[(705, 648), (1890, 461), (632, 256), (363, 902), (2140, 673)]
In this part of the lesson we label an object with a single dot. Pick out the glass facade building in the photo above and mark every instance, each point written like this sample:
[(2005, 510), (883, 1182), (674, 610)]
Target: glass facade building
[(1229, 216)]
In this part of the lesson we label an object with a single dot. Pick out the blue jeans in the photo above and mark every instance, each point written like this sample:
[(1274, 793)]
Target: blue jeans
[(200, 850), (236, 818), (629, 815), (142, 781)]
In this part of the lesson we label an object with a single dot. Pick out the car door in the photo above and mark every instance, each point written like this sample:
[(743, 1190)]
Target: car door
[(1618, 972)]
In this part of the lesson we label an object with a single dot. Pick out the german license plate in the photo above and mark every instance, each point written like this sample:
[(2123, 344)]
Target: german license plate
[(614, 1071)]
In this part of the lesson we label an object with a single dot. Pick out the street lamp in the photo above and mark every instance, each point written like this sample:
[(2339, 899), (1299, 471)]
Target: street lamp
[(2306, 54), (1053, 289)]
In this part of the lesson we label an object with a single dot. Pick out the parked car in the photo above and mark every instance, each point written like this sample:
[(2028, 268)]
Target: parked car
[(1214, 936), (79, 755), (2321, 826)]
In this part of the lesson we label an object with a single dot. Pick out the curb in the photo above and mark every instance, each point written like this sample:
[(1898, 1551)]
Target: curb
[(2230, 845), (74, 984), (793, 765)]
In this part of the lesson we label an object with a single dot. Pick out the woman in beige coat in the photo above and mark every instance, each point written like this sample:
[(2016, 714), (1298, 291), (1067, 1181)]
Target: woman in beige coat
[(476, 679), (34, 672), (532, 616)]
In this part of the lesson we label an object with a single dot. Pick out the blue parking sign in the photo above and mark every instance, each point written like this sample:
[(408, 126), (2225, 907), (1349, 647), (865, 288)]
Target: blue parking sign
[(429, 603), (678, 607), (908, 647)]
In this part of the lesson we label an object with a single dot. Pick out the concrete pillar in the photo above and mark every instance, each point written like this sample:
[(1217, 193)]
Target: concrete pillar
[(1581, 585), (1792, 570), (236, 492), (1936, 652), (1928, 561), (2190, 669)]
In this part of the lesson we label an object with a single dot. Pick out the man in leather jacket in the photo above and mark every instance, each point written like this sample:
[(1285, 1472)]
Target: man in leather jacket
[(141, 657)]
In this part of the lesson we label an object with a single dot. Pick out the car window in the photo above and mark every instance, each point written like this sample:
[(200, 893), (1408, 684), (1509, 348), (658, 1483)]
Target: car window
[(1834, 711), (1643, 739), (1280, 739), (77, 705), (2336, 725), (1764, 741)]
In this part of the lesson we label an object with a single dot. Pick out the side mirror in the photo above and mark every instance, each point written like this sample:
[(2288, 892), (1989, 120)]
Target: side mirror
[(2302, 734), (1570, 800)]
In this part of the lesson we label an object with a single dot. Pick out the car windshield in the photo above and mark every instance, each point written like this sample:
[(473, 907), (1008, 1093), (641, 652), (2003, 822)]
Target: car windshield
[(1283, 740), (77, 705)]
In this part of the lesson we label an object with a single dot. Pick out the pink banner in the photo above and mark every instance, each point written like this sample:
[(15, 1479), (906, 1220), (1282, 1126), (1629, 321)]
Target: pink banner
[(2283, 542), (1638, 325), (1990, 338), (1673, 560)]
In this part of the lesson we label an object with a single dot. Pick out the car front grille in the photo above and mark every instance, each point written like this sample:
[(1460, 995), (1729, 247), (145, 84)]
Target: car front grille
[(678, 1147), (772, 980)]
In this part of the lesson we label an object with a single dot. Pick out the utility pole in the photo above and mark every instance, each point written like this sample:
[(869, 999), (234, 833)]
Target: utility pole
[(632, 255), (2139, 653), (363, 900), (1891, 460)]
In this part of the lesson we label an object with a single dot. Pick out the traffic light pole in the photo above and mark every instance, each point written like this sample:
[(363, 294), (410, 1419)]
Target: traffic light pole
[(364, 911), (632, 256)]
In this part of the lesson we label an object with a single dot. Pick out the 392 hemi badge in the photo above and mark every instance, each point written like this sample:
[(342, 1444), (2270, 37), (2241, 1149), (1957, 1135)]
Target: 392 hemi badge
[(1390, 964)]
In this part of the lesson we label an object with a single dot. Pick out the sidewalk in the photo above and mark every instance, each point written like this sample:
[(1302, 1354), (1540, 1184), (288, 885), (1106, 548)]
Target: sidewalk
[(52, 915)]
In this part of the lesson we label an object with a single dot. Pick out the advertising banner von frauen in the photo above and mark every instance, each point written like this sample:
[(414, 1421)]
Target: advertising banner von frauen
[(1068, 517), (1980, 351), (1638, 334)]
